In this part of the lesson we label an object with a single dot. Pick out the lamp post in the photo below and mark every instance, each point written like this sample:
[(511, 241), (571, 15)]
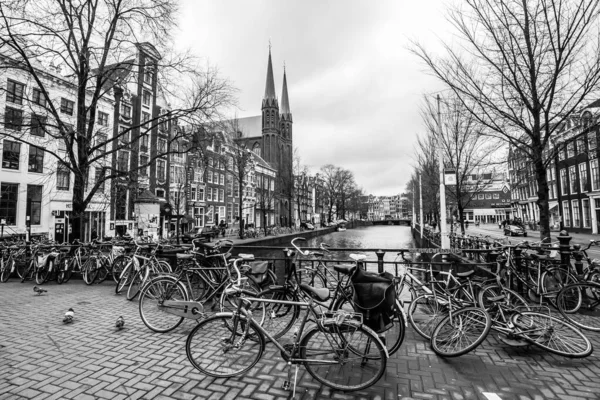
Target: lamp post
[(445, 239)]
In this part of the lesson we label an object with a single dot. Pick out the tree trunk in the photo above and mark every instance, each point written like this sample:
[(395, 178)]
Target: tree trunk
[(78, 212), (542, 194)]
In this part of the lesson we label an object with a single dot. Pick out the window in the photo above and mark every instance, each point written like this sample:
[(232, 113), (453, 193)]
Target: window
[(9, 193), (162, 146), (144, 143), (66, 106), (570, 149), (488, 196), (34, 203), (123, 161), (193, 194), (221, 196), (592, 143), (210, 162), (11, 153), (215, 178), (36, 159), (210, 215), (222, 179), (102, 118), (101, 143), (229, 186), (200, 194), (230, 213), (99, 177), (63, 177), (236, 210), (573, 179), (13, 118), (496, 195), (222, 212), (561, 153), (124, 135), (581, 145), (38, 97), (209, 193), (595, 174), (145, 117), (120, 202), (160, 170), (148, 73), (125, 111), (38, 125), (143, 165), (236, 189), (587, 218), (209, 177), (583, 181), (146, 98), (576, 221), (160, 193), (14, 92), (566, 214)]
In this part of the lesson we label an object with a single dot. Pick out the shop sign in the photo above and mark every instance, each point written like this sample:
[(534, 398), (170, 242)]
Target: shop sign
[(450, 177)]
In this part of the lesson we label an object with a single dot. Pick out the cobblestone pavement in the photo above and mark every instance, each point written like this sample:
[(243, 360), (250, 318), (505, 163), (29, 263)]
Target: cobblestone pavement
[(41, 358)]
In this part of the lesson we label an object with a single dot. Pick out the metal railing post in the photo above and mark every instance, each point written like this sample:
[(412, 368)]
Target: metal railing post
[(380, 255)]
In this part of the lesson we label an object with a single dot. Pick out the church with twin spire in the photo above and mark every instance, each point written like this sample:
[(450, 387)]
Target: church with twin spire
[(270, 135)]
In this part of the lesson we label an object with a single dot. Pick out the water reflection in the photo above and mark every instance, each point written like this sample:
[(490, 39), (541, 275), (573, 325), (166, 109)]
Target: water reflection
[(370, 237)]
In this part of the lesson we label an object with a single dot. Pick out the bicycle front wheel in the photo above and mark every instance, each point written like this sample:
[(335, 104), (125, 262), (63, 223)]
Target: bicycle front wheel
[(425, 312), (152, 309), (118, 266), (7, 265), (347, 357), (279, 317), (217, 349), (125, 278), (90, 271), (552, 334), (136, 284), (579, 304), (460, 332)]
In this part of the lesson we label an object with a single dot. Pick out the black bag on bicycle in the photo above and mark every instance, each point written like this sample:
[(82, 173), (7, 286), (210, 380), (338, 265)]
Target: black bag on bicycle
[(375, 298), (259, 271)]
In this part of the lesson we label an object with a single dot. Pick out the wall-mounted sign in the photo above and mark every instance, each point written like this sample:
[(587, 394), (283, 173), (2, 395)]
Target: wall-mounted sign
[(450, 177)]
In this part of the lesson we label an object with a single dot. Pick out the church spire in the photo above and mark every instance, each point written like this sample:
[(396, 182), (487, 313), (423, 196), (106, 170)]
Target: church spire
[(285, 102), (270, 86)]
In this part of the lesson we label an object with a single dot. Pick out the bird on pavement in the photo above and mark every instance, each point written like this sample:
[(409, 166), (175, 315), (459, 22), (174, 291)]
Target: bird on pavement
[(69, 316), (120, 323), (38, 290)]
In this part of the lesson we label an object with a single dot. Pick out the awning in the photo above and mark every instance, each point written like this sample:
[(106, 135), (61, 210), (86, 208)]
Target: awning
[(552, 204)]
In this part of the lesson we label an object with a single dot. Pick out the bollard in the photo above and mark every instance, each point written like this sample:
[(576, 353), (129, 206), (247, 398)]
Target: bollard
[(564, 248), (578, 255), (380, 255), (287, 260)]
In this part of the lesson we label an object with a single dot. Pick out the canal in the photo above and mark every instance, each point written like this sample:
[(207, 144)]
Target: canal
[(367, 237)]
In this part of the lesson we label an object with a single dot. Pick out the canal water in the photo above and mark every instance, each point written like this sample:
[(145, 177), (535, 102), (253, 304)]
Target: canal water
[(358, 239)]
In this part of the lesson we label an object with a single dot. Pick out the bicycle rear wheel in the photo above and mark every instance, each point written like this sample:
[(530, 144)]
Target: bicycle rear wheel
[(152, 298), (103, 269), (394, 335), (217, 349), (460, 332), (125, 278), (118, 266), (136, 283), (553, 280), (89, 271), (347, 357), (552, 334), (312, 277), (279, 318), (425, 312), (579, 304), (7, 265), (512, 299)]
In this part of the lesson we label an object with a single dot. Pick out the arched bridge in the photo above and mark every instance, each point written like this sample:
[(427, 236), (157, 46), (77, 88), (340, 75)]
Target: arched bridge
[(405, 221)]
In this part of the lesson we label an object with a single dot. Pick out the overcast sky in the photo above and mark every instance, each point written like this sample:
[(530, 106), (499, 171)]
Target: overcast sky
[(354, 88)]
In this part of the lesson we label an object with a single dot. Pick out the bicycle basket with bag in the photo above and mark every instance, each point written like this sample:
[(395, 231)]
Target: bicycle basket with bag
[(374, 297), (259, 271)]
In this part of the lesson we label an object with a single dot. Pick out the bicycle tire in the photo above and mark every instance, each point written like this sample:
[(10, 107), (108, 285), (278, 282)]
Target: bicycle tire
[(312, 277), (135, 285), (579, 304), (125, 278), (512, 299), (152, 295), (103, 270), (448, 339), (425, 312), (347, 357), (279, 318), (553, 280), (118, 266), (542, 330), (68, 272), (90, 270), (214, 348), (43, 273), (27, 274), (394, 335), (21, 268), (7, 265)]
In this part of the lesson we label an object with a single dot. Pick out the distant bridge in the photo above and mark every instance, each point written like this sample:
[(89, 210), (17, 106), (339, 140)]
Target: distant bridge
[(405, 221)]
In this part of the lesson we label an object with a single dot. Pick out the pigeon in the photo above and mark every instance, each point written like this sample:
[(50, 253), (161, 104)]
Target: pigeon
[(120, 323), (38, 290), (69, 316)]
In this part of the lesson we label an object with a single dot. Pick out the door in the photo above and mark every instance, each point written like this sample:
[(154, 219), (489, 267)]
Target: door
[(59, 232)]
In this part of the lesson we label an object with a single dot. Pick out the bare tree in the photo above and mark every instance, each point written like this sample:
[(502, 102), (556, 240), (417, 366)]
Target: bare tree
[(301, 179), (527, 66), (427, 168), (95, 43)]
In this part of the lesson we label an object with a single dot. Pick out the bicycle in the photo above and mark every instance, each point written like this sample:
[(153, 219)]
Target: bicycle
[(337, 350), (8, 261)]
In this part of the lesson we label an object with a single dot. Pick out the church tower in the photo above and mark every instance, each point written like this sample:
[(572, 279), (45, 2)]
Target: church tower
[(270, 118), (286, 114)]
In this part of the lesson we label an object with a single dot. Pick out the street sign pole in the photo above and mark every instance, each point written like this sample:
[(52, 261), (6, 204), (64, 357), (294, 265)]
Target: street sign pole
[(443, 229), (421, 204)]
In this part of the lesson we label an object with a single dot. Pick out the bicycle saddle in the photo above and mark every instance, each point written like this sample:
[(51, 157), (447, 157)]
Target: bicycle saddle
[(358, 257), (465, 274), (318, 294), (344, 269), (246, 257), (182, 256)]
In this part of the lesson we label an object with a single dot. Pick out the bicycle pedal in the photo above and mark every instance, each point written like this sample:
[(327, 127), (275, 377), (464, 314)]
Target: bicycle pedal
[(286, 385)]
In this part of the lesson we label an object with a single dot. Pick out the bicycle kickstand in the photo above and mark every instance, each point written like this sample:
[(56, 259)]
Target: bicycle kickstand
[(286, 384)]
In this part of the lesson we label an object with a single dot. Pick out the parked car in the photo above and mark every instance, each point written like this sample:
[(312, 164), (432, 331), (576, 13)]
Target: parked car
[(307, 225), (207, 233), (515, 230)]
